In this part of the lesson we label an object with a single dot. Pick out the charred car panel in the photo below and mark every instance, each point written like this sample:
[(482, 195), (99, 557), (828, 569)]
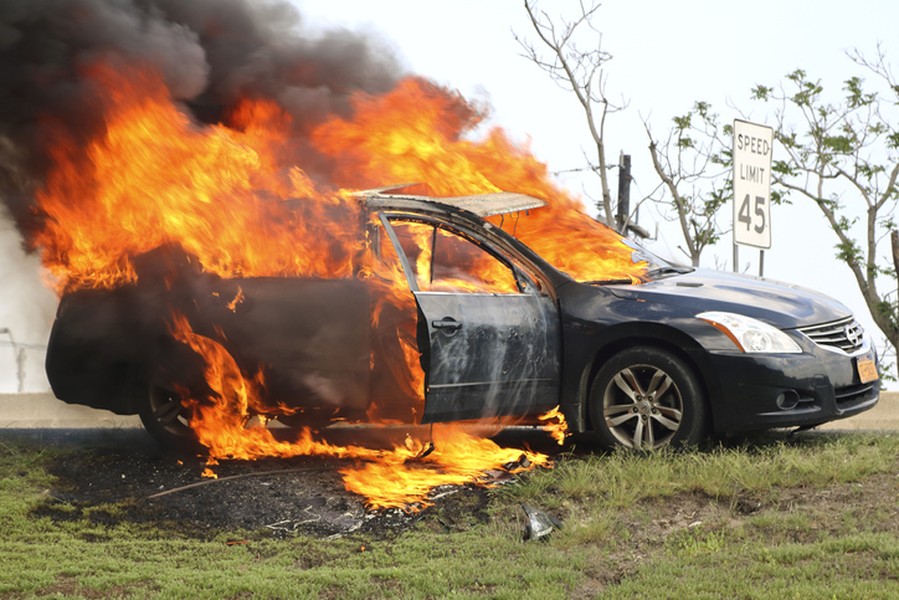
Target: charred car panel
[(489, 355), (311, 337)]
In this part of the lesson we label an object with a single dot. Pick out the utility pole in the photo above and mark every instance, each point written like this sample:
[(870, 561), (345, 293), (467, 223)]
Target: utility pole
[(622, 213)]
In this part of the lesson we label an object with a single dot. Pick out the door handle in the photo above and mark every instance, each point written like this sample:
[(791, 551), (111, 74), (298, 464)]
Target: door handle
[(447, 323)]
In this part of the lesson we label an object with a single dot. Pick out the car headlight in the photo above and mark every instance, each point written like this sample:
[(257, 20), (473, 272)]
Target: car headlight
[(751, 335)]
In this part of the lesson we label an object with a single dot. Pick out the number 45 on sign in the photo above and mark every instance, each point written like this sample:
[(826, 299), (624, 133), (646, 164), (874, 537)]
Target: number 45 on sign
[(757, 218)]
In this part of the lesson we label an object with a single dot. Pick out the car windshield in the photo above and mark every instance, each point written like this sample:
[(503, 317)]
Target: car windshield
[(656, 267), (587, 250)]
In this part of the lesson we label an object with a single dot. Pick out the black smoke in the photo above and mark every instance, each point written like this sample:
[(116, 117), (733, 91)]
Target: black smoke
[(210, 53)]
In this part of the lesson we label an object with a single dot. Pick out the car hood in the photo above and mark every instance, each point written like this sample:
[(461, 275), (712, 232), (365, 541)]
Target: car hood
[(782, 305)]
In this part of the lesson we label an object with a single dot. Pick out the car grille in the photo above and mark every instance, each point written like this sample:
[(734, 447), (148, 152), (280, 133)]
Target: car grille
[(846, 335)]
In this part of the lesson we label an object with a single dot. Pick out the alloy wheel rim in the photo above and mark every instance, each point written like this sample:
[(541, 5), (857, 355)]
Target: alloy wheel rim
[(643, 407), (169, 412)]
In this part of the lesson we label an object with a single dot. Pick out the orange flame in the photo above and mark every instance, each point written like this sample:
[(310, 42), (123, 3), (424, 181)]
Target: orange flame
[(222, 193), (555, 425), (240, 197), (418, 131), (235, 197)]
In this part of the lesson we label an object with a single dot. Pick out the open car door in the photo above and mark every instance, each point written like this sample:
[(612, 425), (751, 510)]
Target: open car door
[(490, 339)]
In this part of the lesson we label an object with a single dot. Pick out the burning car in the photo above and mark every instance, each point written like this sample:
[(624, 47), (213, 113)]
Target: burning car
[(492, 330)]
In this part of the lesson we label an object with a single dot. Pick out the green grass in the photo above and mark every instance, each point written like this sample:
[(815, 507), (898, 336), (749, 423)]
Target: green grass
[(815, 517), (622, 478)]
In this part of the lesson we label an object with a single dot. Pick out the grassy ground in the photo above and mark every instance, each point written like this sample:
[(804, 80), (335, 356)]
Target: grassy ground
[(806, 517)]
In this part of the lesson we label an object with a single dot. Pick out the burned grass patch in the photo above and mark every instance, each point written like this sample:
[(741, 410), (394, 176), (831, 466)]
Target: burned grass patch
[(110, 484)]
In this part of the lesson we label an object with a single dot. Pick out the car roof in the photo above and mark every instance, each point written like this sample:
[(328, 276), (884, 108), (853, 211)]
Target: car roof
[(483, 205)]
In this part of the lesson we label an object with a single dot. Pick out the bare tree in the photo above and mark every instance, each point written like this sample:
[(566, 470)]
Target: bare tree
[(688, 163), (843, 156), (694, 165), (580, 69)]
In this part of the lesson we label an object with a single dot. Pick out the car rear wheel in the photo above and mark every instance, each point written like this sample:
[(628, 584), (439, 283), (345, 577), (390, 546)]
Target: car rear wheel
[(645, 398), (166, 416)]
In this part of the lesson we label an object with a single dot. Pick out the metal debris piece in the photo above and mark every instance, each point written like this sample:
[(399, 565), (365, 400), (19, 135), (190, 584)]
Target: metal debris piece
[(539, 523), (448, 492), (428, 449), (521, 463), (496, 475), (484, 205)]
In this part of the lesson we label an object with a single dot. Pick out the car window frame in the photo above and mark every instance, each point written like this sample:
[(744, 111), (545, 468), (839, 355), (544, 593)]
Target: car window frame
[(528, 283)]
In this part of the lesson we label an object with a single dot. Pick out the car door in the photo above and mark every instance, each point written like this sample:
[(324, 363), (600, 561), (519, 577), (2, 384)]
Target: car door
[(489, 336), (310, 337)]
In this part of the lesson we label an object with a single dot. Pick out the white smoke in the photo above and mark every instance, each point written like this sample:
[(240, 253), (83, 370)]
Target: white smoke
[(27, 307)]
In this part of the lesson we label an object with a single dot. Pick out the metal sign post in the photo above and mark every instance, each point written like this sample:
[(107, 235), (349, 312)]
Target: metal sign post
[(753, 147)]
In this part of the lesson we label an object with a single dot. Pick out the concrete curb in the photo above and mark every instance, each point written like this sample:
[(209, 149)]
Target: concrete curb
[(32, 411)]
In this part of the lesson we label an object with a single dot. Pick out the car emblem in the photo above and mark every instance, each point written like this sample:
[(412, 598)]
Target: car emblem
[(853, 334)]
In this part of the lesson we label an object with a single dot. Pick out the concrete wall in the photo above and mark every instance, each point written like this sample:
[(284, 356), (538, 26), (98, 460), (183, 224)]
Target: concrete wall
[(45, 411)]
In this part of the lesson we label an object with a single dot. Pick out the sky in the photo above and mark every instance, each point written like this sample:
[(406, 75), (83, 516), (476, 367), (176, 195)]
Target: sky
[(666, 55)]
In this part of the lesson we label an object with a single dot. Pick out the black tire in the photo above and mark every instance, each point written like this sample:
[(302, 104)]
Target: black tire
[(646, 398), (166, 416)]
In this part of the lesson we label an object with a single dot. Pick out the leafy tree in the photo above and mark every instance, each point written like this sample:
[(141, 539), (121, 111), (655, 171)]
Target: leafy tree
[(694, 166), (842, 155)]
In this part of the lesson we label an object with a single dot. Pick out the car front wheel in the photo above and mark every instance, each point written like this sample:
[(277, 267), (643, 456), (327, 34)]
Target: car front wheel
[(646, 398)]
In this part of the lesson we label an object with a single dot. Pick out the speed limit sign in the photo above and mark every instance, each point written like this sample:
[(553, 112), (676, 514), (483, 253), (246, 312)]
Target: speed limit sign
[(753, 147)]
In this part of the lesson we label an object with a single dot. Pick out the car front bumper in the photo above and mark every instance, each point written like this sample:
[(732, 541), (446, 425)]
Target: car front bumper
[(755, 391)]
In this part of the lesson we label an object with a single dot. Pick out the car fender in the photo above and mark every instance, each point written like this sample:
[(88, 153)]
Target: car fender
[(681, 337)]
